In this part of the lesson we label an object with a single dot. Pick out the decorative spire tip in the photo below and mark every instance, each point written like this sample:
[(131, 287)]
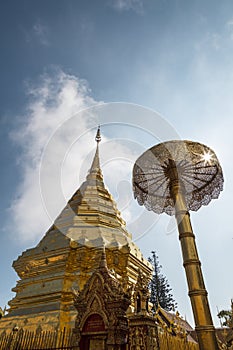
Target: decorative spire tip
[(98, 136)]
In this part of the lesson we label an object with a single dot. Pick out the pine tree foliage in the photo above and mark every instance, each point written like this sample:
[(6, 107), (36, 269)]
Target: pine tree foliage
[(159, 287), (226, 316)]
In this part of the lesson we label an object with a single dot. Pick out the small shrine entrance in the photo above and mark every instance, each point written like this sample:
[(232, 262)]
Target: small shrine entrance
[(94, 334)]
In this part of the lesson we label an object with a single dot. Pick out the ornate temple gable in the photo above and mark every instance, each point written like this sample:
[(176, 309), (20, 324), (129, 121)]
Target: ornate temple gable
[(103, 296), (104, 284)]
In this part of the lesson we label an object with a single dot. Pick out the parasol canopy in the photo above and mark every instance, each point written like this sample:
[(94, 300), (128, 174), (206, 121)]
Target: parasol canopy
[(195, 167)]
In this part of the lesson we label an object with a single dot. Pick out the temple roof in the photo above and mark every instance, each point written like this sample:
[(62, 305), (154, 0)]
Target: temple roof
[(174, 324), (91, 217)]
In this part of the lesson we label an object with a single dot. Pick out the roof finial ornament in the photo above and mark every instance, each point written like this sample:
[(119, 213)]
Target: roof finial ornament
[(95, 169), (98, 136)]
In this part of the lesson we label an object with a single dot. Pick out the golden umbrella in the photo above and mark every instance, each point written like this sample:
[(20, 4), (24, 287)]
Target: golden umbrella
[(175, 177)]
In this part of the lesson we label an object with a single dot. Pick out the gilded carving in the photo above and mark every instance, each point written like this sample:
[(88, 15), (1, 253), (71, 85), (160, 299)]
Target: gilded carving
[(104, 295)]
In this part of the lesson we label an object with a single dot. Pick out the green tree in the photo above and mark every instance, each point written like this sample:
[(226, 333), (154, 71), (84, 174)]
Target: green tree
[(225, 317), (159, 287)]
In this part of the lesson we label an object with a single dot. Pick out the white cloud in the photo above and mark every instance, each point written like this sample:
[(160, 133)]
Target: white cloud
[(40, 31), (51, 103), (216, 40), (213, 41), (126, 5)]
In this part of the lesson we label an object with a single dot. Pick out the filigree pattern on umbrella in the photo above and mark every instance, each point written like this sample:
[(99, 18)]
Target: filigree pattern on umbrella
[(198, 170)]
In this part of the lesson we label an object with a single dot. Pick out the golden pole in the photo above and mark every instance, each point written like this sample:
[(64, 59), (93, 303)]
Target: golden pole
[(197, 292)]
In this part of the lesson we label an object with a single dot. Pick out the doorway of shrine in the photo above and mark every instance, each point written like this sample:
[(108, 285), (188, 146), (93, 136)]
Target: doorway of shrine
[(94, 334)]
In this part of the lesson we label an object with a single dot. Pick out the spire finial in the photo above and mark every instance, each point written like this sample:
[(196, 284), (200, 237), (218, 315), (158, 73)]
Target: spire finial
[(98, 136), (95, 167)]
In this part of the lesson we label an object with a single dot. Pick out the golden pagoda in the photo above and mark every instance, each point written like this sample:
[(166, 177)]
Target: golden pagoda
[(53, 273)]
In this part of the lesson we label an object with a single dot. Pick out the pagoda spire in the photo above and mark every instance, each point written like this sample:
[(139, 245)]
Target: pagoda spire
[(95, 166)]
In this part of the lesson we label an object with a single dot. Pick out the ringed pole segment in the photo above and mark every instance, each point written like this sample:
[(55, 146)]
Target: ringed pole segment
[(175, 177)]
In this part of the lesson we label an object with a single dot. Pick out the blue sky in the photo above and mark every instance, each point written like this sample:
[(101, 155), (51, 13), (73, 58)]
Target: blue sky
[(59, 57)]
